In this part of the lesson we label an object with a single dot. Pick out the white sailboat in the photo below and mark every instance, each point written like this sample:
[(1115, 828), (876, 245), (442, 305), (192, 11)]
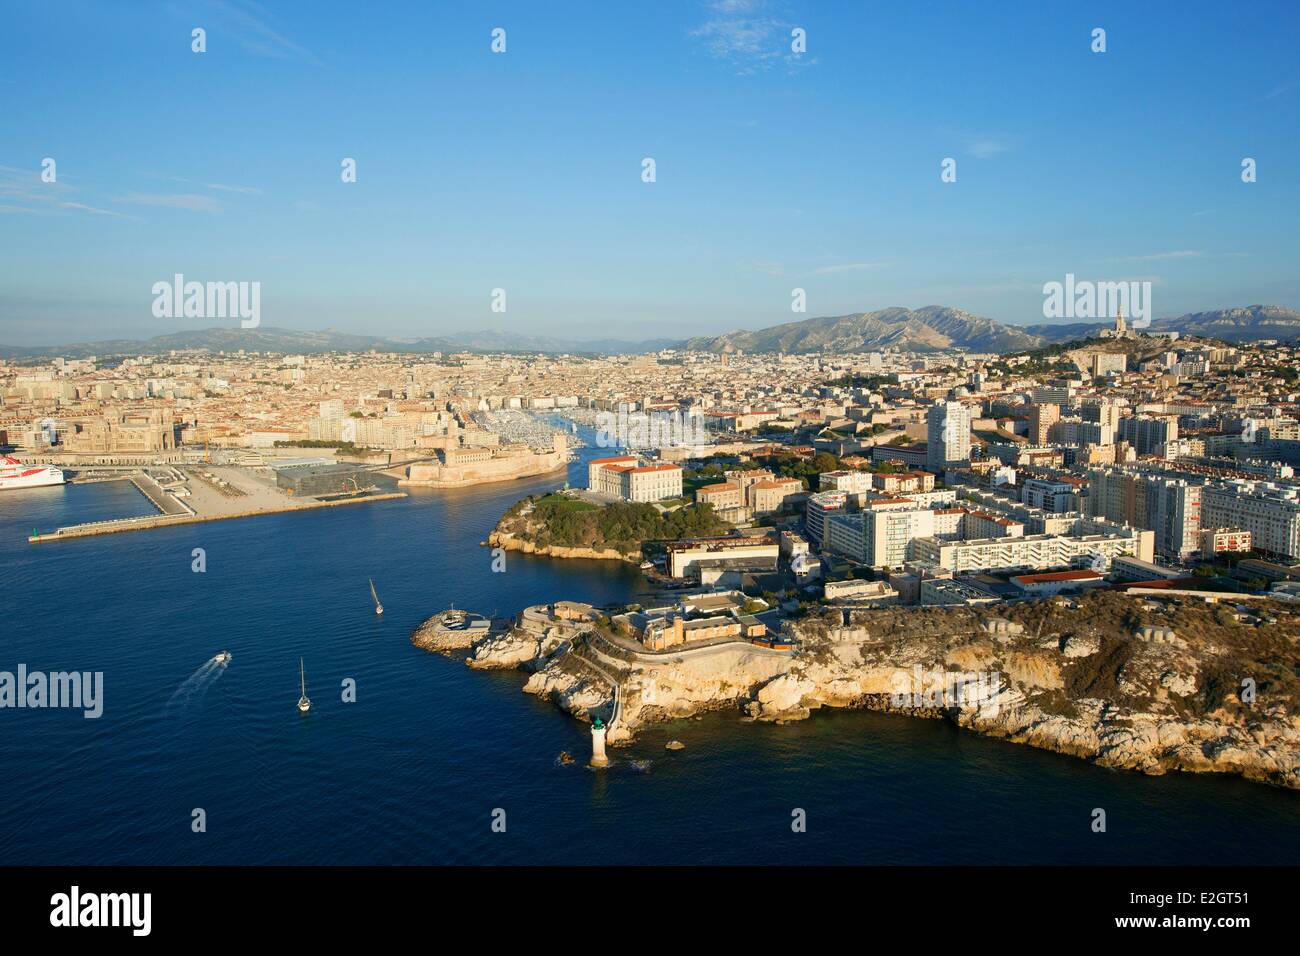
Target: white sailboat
[(379, 608), (304, 704)]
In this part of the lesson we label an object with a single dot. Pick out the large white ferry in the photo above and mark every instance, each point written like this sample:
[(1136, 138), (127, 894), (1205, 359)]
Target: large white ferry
[(16, 474)]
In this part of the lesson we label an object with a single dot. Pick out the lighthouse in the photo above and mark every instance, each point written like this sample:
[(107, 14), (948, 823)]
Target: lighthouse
[(598, 758)]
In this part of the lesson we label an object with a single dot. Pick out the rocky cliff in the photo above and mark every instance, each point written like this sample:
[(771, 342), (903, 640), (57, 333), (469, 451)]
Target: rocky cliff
[(1117, 680), (508, 542)]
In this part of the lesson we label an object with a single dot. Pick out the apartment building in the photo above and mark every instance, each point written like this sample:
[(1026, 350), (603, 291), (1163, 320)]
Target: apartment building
[(1148, 435), (1041, 419), (1270, 512), (878, 537), (1050, 495), (909, 456), (1031, 551), (1104, 414), (852, 482), (903, 482), (947, 442), (820, 506), (1053, 395), (1169, 506), (1217, 541)]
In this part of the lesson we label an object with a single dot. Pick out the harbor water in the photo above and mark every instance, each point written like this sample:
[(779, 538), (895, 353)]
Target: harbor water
[(414, 770)]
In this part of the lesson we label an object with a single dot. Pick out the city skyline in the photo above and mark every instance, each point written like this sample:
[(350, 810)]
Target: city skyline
[(523, 170)]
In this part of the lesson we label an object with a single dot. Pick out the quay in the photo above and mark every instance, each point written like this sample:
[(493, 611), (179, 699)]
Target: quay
[(201, 494), (115, 525)]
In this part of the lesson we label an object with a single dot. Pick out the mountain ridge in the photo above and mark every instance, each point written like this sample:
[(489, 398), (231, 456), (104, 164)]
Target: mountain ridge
[(928, 329), (933, 328)]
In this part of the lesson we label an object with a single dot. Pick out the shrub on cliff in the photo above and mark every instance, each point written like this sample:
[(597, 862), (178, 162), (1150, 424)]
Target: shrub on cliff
[(621, 526)]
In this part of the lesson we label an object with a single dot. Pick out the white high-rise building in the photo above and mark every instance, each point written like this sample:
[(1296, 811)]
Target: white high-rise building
[(878, 538), (947, 442)]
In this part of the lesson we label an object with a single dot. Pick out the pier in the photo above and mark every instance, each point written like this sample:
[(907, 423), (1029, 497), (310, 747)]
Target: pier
[(211, 493), (114, 525)]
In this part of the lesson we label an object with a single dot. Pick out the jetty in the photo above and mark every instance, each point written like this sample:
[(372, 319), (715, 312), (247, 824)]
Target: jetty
[(201, 495)]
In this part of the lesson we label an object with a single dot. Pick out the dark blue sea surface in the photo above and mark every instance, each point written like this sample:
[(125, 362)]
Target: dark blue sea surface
[(413, 770)]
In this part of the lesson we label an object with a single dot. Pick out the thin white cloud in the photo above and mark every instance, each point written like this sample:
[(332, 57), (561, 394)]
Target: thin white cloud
[(1157, 256), (220, 187), (248, 23), (986, 148), (245, 190), (747, 35), (848, 267), (1277, 91), (94, 209), (19, 186), (190, 201), (779, 270)]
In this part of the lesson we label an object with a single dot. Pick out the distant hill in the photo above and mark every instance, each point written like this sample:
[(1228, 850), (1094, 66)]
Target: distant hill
[(930, 329), (293, 341), (1055, 332), (938, 327), (1248, 324)]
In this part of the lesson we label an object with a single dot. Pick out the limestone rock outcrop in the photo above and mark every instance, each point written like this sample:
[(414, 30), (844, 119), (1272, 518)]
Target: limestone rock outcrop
[(1105, 678)]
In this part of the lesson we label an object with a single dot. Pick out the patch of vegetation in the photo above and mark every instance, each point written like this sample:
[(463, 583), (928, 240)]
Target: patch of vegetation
[(558, 520), (565, 503), (1098, 674), (872, 383), (792, 466)]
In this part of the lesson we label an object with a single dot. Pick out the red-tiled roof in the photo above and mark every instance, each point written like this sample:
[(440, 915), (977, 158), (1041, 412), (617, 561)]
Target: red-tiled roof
[(646, 468), (1049, 576)]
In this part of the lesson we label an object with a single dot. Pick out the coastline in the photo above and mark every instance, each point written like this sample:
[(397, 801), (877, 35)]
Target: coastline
[(1150, 702), (508, 542)]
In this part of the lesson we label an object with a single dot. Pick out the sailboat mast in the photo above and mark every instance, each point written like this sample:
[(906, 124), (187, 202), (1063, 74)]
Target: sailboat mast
[(302, 674)]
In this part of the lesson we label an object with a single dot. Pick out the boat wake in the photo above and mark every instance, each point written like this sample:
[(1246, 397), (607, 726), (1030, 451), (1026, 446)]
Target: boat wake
[(195, 687)]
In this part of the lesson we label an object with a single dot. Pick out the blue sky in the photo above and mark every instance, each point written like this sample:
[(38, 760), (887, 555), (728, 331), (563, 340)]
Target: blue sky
[(522, 170)]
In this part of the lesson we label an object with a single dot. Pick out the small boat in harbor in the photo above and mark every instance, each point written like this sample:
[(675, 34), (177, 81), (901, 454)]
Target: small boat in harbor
[(304, 704), (223, 657), (379, 608)]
